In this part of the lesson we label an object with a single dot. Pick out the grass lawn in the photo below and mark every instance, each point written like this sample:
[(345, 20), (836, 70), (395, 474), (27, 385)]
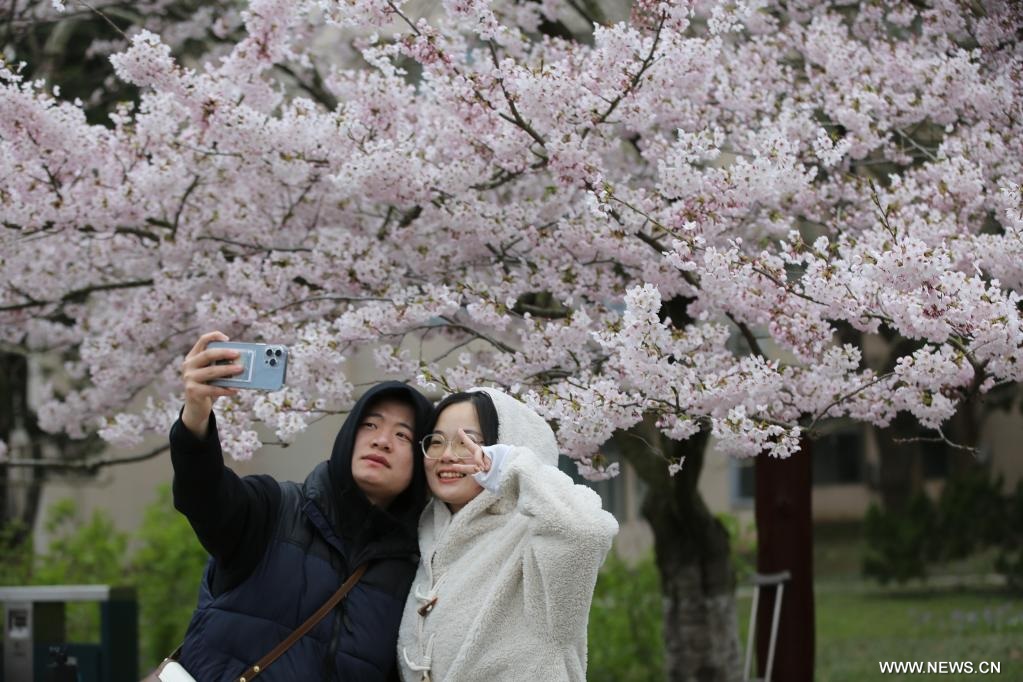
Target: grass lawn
[(957, 616), (860, 623), (859, 628)]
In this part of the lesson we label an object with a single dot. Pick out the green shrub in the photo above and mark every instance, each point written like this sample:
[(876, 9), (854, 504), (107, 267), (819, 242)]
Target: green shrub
[(80, 552), (625, 643), (16, 547), (899, 545), (970, 516), (166, 569), (1010, 557), (90, 552)]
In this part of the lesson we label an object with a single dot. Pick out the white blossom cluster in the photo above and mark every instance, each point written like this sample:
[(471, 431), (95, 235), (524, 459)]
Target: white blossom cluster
[(593, 224)]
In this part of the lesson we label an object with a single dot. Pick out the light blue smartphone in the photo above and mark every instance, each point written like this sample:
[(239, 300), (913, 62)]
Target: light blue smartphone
[(265, 365)]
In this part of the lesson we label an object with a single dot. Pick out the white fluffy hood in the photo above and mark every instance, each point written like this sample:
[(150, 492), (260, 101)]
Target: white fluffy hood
[(504, 585), (520, 426)]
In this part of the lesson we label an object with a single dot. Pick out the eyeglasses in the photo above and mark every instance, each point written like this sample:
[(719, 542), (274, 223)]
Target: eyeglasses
[(435, 445)]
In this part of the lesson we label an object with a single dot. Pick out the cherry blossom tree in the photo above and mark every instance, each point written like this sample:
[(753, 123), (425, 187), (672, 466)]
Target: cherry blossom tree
[(658, 229), (69, 48), (69, 45)]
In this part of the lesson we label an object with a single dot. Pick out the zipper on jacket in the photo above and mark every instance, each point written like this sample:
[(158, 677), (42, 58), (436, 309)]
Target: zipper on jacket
[(330, 662)]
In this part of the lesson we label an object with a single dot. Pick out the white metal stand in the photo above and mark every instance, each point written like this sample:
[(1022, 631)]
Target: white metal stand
[(777, 581)]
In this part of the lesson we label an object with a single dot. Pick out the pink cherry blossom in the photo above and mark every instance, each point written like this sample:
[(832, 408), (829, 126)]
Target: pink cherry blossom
[(673, 217)]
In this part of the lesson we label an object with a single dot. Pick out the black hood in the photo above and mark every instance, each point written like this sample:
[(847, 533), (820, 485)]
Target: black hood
[(355, 518)]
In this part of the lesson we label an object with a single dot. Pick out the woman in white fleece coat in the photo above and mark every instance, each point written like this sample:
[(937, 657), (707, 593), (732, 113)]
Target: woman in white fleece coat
[(510, 551)]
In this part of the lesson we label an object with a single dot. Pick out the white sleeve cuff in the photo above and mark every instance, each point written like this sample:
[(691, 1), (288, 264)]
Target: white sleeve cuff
[(498, 454)]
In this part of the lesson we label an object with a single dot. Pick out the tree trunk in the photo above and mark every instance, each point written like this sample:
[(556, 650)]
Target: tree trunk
[(693, 558), (20, 490), (783, 510), (21, 487)]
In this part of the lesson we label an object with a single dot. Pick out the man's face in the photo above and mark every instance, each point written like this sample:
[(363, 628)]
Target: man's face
[(382, 455)]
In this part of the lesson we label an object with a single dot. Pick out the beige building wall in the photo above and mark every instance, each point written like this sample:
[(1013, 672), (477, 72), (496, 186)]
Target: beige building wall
[(124, 491), (1003, 443), (840, 502)]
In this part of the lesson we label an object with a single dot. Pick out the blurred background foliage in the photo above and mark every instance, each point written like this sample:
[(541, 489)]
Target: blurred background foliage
[(971, 516), (859, 623), (164, 562)]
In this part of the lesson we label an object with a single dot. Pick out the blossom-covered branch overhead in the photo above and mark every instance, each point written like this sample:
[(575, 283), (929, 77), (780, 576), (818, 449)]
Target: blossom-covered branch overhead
[(684, 213)]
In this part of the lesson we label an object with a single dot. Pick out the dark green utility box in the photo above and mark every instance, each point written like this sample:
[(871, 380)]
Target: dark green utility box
[(34, 622)]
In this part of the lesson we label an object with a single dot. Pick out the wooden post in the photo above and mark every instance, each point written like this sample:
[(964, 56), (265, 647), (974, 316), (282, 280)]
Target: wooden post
[(783, 509)]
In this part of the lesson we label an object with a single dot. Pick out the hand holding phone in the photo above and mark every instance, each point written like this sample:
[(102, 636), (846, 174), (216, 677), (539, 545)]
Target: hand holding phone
[(211, 370), (264, 366)]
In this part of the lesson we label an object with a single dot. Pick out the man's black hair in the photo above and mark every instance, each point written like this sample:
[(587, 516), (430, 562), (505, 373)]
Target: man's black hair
[(486, 413)]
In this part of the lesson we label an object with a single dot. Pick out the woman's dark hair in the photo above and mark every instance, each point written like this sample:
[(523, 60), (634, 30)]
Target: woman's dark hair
[(485, 412)]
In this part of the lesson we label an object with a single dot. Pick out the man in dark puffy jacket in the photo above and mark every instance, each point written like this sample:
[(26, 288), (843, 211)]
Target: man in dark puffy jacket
[(280, 549)]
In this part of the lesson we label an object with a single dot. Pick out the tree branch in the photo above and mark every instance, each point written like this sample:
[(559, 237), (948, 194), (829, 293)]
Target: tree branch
[(397, 10), (516, 118), (539, 311), (582, 11), (454, 324), (634, 83), (79, 295), (316, 89), (882, 210), (255, 247), (942, 438), (929, 154), (652, 242), (747, 334), (842, 398), (141, 234), (87, 466), (334, 299), (181, 204)]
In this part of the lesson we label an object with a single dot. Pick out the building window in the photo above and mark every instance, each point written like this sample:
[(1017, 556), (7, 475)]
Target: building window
[(743, 481), (935, 460), (838, 458)]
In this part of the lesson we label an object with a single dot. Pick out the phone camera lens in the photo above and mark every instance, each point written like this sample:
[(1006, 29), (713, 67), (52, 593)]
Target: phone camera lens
[(273, 362), (269, 352), (277, 352)]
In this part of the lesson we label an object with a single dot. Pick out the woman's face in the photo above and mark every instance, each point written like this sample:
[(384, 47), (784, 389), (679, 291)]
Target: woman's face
[(447, 484)]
